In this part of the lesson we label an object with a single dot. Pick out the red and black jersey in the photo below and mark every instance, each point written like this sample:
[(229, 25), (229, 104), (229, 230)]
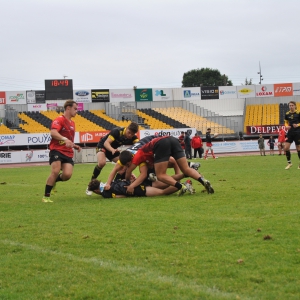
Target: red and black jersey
[(150, 146), (66, 128)]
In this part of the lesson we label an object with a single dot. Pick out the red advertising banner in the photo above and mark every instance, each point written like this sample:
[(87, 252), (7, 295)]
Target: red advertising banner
[(2, 98), (91, 136), (263, 129), (283, 89)]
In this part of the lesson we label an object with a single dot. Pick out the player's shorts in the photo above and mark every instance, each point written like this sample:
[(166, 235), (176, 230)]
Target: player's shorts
[(55, 155), (271, 147), (167, 147), (293, 136), (108, 154), (140, 191)]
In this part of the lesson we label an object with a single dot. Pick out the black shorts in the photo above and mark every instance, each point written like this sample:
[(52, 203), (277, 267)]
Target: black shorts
[(108, 154), (167, 147), (271, 147), (55, 155), (293, 136)]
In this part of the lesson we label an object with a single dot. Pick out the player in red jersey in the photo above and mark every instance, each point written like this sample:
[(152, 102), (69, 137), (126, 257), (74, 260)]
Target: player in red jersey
[(61, 148), (281, 140), (162, 149)]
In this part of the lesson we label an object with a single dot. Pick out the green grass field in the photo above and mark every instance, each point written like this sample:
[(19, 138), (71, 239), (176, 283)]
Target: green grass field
[(242, 242)]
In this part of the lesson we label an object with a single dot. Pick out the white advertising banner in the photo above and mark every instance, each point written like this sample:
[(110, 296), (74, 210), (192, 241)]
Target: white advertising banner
[(121, 95), (82, 96), (227, 92), (296, 88), (266, 90), (191, 93), (30, 96), (246, 91), (171, 132), (37, 107), (24, 139), (16, 97), (24, 156), (162, 94)]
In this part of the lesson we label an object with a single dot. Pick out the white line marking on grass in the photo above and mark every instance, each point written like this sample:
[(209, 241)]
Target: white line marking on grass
[(137, 272)]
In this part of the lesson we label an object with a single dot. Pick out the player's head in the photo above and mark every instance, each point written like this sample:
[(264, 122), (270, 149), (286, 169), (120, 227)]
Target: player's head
[(125, 158), (70, 106), (292, 105), (94, 186), (131, 130)]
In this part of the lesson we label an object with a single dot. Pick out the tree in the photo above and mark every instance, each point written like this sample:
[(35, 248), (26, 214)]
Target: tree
[(205, 77), (248, 82)]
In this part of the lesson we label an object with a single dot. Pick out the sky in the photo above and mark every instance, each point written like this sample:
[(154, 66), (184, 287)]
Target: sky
[(149, 44)]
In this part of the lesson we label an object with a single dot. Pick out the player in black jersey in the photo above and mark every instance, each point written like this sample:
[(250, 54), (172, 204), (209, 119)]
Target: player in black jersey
[(292, 123), (118, 189), (107, 147)]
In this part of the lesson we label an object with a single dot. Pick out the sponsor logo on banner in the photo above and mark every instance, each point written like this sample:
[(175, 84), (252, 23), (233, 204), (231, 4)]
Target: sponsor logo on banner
[(29, 156), (92, 136), (245, 91), (2, 98), (5, 155), (263, 91), (100, 95), (7, 139), (209, 92), (41, 139), (227, 92), (168, 132), (82, 93), (268, 129), (190, 94), (17, 98), (124, 95), (283, 89)]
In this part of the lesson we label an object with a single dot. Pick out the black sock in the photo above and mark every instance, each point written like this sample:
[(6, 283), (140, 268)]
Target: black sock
[(200, 179), (288, 156), (189, 163), (48, 189), (58, 178), (178, 185), (97, 171), (298, 154)]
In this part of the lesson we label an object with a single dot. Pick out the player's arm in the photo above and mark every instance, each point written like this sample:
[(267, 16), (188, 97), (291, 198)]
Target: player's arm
[(107, 144), (129, 171), (118, 167), (139, 180), (63, 140)]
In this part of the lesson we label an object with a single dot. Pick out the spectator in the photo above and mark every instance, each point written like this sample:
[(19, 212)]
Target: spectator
[(181, 140), (271, 144), (261, 145), (281, 140), (197, 145), (187, 145), (208, 139)]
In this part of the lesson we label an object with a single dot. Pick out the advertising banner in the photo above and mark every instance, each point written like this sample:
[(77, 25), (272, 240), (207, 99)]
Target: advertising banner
[(264, 129), (163, 132), (40, 96), (191, 93), (82, 96), (121, 95), (25, 139), (266, 90), (92, 136), (296, 89), (246, 91), (16, 97), (283, 89), (209, 92), (227, 92), (2, 98), (37, 107), (143, 95), (27, 156), (30, 96), (162, 94), (100, 96)]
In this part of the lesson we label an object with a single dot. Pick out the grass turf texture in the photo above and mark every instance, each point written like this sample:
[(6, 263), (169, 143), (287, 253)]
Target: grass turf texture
[(240, 243)]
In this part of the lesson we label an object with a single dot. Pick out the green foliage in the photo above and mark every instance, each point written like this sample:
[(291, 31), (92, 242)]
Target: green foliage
[(205, 77), (248, 82), (240, 243)]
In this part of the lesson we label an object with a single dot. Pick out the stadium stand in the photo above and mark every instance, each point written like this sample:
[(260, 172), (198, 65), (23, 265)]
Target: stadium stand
[(30, 125), (155, 120), (193, 120), (5, 130)]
